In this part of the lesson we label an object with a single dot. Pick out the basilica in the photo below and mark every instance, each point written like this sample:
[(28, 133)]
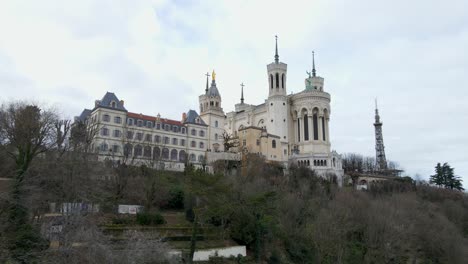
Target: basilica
[(292, 129)]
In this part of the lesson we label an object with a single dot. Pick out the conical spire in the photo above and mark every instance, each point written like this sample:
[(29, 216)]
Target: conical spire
[(242, 93), (314, 72), (276, 51)]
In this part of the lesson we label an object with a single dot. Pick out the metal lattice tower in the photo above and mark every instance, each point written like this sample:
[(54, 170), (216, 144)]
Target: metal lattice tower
[(380, 159)]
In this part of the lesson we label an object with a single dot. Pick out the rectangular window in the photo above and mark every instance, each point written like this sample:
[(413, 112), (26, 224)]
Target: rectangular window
[(183, 130), (166, 140), (117, 133), (174, 141), (104, 131), (244, 142), (157, 139), (139, 136), (168, 127), (129, 135), (130, 122), (258, 142), (115, 148), (158, 126), (149, 124), (106, 118), (182, 142), (140, 123), (117, 120), (148, 137), (175, 129)]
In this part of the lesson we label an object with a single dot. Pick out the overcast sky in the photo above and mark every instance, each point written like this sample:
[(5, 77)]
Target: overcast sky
[(411, 55)]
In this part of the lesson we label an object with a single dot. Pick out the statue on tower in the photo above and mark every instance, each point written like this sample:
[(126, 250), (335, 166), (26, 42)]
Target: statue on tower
[(308, 81), (213, 75)]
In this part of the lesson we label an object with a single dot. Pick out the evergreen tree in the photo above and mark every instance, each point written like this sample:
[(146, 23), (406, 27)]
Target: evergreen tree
[(438, 177), (446, 177)]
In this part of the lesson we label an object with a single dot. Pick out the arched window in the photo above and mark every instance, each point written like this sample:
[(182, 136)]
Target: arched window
[(202, 145), (298, 130), (156, 153), (128, 150), (325, 162), (173, 154), (202, 133), (157, 139), (193, 144), (147, 152), (315, 123), (334, 162), (282, 80), (165, 153), (113, 104), (193, 157), (216, 136), (321, 163), (201, 158), (273, 143), (271, 81), (182, 156), (277, 80), (306, 127), (323, 129), (315, 163), (193, 132), (138, 150), (216, 123)]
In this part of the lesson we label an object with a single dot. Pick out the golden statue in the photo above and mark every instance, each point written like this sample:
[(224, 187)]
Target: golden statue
[(213, 75)]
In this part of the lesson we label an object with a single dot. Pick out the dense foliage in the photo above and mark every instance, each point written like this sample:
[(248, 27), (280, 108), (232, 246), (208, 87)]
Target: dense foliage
[(293, 218)]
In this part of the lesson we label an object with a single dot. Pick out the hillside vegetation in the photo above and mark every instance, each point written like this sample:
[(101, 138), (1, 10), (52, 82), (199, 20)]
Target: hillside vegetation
[(293, 218)]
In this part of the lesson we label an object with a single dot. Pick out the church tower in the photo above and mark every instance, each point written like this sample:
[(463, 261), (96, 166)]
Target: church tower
[(277, 102), (380, 159), (212, 114)]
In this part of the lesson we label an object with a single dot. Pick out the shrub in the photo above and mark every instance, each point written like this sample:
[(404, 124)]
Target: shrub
[(150, 219), (176, 198)]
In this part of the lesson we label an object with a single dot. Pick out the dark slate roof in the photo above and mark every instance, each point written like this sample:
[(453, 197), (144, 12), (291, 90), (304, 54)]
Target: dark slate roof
[(213, 91), (192, 116), (84, 115), (108, 99)]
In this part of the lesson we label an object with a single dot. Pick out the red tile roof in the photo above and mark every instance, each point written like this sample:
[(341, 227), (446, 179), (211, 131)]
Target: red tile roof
[(153, 118)]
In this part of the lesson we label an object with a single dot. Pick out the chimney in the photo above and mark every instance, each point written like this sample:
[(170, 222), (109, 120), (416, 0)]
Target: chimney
[(184, 116), (122, 102)]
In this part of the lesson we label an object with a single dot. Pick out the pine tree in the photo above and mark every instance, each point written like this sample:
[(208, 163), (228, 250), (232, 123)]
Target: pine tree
[(445, 176), (438, 177)]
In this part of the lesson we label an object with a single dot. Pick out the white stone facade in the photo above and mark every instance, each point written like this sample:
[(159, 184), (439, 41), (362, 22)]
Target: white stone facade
[(299, 123)]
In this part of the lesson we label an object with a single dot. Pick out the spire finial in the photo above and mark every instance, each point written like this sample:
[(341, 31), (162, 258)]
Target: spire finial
[(242, 93), (314, 72), (377, 117), (276, 50), (213, 76), (207, 75)]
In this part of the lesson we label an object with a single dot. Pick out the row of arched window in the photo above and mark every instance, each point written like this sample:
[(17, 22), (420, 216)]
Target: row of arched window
[(277, 81), (314, 128), (154, 153), (317, 163)]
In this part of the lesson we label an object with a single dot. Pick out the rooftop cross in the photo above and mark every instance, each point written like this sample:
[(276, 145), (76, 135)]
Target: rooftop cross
[(313, 64), (276, 50), (242, 93), (207, 76)]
